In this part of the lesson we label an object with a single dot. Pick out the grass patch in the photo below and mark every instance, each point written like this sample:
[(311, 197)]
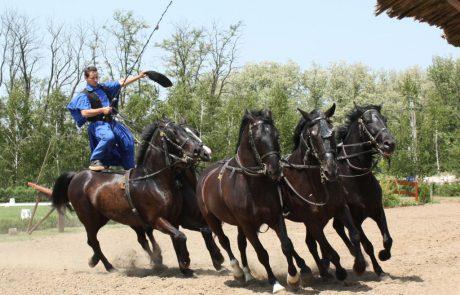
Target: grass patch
[(11, 217)]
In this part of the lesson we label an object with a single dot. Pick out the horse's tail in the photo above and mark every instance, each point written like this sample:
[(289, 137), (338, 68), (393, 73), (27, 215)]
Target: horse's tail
[(59, 196)]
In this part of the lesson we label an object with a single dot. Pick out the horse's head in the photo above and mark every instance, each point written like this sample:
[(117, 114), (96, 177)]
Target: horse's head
[(318, 136), (373, 127), (259, 129), (183, 143)]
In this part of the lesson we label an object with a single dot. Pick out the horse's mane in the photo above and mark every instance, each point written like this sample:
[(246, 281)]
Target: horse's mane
[(147, 134), (351, 117), (300, 126), (261, 115)]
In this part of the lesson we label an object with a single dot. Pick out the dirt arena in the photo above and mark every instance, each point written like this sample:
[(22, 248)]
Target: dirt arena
[(426, 260)]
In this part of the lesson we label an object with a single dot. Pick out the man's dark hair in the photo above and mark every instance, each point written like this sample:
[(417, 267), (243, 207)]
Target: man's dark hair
[(88, 70)]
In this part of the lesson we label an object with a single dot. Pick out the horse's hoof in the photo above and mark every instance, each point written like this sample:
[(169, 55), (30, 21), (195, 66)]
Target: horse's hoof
[(307, 278), (92, 262), (326, 263), (187, 272), (293, 281), (247, 274), (341, 274), (238, 273), (384, 255), (384, 277), (359, 267), (277, 287), (159, 267), (326, 276), (112, 269), (217, 258)]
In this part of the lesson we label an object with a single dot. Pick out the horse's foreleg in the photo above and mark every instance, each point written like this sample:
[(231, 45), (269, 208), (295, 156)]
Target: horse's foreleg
[(293, 278), (179, 242), (242, 244), (328, 251), (345, 217), (381, 221), (262, 255), (340, 229), (369, 248), (322, 264)]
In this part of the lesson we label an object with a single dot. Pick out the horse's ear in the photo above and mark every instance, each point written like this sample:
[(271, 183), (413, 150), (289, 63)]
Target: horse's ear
[(330, 112), (305, 114), (267, 113), (248, 114), (379, 108)]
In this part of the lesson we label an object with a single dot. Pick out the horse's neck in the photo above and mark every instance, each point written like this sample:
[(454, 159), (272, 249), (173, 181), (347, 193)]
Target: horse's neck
[(298, 156), (245, 154), (354, 136), (155, 159)]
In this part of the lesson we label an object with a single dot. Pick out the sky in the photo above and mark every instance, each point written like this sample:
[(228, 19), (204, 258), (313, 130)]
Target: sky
[(302, 31)]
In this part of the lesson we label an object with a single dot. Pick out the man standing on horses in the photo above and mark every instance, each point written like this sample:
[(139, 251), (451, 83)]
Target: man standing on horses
[(111, 142)]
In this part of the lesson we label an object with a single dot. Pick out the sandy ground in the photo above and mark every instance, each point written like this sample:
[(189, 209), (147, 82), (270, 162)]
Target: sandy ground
[(426, 260)]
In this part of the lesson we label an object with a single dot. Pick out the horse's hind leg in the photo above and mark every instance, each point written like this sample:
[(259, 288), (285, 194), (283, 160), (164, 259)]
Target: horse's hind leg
[(216, 226), (214, 251), (141, 233), (156, 250), (91, 232), (198, 224)]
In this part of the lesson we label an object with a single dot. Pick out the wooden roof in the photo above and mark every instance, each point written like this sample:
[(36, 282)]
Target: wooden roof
[(444, 14)]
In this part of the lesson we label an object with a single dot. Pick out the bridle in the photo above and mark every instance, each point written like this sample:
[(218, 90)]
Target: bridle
[(170, 158), (261, 168), (325, 133), (372, 142)]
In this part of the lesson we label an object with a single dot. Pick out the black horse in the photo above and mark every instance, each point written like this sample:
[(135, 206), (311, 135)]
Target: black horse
[(150, 197), (242, 191), (312, 195), (365, 136)]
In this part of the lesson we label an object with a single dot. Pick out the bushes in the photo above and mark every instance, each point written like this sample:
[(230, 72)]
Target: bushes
[(446, 190), (20, 193)]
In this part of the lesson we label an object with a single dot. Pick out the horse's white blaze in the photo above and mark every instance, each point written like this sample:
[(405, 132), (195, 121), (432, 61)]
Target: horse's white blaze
[(207, 150), (192, 134)]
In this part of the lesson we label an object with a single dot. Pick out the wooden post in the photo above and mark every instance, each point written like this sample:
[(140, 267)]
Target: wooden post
[(61, 222), (416, 191), (431, 192)]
